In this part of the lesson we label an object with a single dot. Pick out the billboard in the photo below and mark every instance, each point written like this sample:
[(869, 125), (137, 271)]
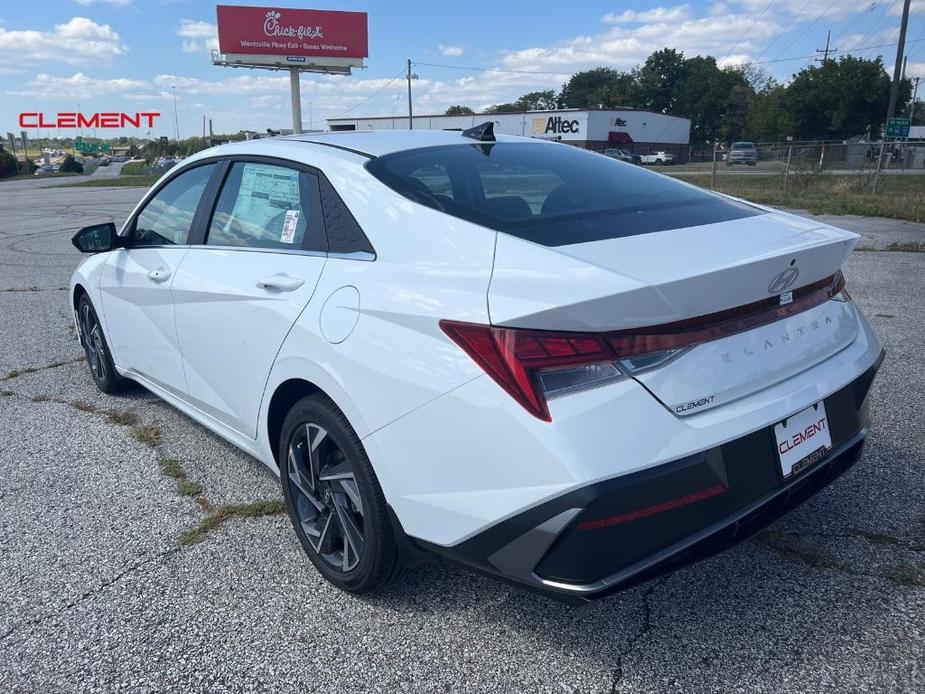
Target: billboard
[(294, 33)]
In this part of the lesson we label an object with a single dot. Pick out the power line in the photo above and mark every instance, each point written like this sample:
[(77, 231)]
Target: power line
[(750, 27), (877, 25), (372, 96), (857, 18), (494, 69), (785, 29), (805, 29)]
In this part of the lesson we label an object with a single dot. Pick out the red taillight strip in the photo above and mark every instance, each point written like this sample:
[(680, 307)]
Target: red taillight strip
[(514, 357), (647, 511), (713, 326)]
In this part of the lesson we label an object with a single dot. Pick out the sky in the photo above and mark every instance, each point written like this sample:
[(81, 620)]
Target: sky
[(134, 55)]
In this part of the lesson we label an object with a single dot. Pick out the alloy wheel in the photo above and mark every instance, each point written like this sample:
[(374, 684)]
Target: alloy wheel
[(93, 341), (328, 502)]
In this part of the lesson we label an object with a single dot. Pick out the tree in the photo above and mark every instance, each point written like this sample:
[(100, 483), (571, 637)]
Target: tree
[(768, 117), (715, 100), (7, 164), (918, 117), (841, 98), (71, 165), (602, 86), (538, 101), (658, 81), (504, 108), (458, 111)]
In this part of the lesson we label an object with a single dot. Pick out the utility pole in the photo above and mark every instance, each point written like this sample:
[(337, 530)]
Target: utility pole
[(176, 122), (295, 97), (915, 92), (410, 116), (897, 68), (825, 52)]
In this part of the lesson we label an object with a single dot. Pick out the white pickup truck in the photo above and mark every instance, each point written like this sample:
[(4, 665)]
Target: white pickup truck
[(658, 158)]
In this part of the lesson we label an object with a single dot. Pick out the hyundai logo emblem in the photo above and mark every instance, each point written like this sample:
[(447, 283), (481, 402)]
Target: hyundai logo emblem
[(783, 280)]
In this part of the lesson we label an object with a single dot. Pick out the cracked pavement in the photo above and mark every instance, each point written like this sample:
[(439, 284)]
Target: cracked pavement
[(96, 594)]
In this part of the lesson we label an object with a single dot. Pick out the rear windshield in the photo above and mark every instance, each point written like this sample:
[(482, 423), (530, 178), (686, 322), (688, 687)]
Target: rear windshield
[(548, 193)]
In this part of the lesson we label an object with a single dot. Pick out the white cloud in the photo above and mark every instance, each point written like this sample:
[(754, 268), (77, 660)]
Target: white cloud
[(914, 70), (79, 85), (734, 60), (450, 51), (840, 8), (198, 35), (625, 47), (78, 41), (916, 8), (658, 14)]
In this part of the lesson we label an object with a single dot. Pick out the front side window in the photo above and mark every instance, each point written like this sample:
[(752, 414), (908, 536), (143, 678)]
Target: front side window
[(552, 194), (262, 206), (168, 216)]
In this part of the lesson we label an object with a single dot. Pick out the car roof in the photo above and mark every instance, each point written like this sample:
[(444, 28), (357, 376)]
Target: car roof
[(380, 142)]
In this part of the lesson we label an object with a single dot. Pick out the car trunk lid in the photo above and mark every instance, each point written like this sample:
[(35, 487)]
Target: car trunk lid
[(677, 276)]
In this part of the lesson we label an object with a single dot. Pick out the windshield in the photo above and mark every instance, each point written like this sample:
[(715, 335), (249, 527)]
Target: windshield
[(550, 194), (743, 145)]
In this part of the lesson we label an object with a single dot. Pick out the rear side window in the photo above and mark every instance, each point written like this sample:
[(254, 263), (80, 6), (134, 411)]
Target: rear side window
[(263, 206), (552, 194)]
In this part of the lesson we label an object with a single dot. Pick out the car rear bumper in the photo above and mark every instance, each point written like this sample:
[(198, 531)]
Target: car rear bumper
[(612, 534)]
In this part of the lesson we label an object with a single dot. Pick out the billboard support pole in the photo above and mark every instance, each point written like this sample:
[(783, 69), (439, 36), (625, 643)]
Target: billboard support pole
[(296, 97)]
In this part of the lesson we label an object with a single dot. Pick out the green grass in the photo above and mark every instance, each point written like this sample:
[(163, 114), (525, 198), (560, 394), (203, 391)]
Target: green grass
[(135, 168), (905, 575), (117, 181), (220, 514), (149, 435), (899, 196), (171, 467), (26, 177)]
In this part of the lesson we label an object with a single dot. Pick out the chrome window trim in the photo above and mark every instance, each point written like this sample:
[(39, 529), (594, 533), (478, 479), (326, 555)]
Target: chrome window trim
[(363, 256)]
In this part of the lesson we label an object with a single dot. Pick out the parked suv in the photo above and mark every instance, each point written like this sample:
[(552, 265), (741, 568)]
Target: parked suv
[(742, 153)]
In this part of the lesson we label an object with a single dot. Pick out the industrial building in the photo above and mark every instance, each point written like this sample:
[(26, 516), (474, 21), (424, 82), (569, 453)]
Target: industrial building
[(598, 129)]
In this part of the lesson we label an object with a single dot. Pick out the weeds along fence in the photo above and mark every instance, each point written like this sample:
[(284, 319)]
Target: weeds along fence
[(863, 167)]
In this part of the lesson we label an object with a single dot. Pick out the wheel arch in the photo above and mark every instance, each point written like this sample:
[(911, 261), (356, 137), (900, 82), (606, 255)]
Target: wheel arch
[(78, 291), (286, 394)]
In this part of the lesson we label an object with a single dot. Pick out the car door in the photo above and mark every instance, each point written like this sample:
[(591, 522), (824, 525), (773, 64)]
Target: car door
[(135, 282), (240, 288)]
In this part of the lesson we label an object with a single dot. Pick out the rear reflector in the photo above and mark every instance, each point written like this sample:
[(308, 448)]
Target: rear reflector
[(533, 364), (647, 511)]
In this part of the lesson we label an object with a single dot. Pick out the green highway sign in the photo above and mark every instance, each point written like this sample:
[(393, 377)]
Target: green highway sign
[(897, 127), (90, 147)]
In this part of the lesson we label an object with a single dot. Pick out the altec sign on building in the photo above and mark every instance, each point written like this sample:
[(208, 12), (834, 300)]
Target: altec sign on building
[(294, 33)]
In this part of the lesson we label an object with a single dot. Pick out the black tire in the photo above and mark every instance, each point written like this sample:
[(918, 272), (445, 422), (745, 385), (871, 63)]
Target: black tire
[(96, 348), (327, 508)]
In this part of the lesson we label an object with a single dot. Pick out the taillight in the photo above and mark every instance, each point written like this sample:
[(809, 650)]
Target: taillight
[(533, 365)]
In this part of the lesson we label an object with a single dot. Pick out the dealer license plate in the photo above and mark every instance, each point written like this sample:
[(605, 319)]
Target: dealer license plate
[(803, 439)]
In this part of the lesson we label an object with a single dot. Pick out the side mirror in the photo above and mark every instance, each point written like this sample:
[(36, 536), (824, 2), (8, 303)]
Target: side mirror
[(98, 238)]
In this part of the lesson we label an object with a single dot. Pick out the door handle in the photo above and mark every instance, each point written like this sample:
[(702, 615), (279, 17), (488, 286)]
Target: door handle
[(280, 283), (160, 274)]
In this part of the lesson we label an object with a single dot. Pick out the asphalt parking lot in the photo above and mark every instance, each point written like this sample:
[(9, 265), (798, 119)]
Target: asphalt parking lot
[(96, 593)]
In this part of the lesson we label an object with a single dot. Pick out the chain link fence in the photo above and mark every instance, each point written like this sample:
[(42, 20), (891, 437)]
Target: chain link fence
[(867, 165)]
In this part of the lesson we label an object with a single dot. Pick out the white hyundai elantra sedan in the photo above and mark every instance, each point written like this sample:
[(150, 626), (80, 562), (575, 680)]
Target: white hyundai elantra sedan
[(548, 365)]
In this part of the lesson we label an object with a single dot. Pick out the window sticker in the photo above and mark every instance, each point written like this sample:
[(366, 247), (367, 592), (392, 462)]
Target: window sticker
[(289, 226)]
